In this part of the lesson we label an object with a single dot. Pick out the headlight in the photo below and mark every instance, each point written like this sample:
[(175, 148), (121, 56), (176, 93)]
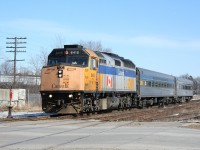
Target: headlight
[(50, 95), (70, 95)]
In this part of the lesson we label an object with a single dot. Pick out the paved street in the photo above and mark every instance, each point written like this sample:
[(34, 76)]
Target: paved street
[(77, 134)]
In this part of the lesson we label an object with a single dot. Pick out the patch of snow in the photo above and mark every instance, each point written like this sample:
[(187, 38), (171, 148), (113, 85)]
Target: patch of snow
[(174, 115), (22, 114)]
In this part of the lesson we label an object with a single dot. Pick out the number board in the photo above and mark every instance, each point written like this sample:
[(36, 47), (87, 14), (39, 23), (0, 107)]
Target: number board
[(74, 52), (67, 52)]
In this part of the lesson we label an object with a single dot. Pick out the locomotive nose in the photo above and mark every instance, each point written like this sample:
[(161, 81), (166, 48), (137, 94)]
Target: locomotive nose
[(62, 78)]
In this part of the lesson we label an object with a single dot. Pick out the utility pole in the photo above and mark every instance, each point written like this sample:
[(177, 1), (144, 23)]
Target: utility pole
[(15, 51)]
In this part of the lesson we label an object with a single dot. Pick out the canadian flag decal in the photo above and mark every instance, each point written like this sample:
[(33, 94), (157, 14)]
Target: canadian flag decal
[(109, 81)]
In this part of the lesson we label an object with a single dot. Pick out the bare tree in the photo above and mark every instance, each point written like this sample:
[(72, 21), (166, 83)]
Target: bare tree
[(60, 41), (2, 54), (186, 76), (36, 64), (43, 57), (25, 71), (196, 82), (38, 61), (6, 68), (198, 85), (95, 46)]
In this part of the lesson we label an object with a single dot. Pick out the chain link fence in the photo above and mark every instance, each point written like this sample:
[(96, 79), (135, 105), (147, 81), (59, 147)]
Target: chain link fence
[(34, 102)]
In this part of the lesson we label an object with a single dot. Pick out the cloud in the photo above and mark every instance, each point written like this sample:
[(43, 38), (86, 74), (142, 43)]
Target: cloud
[(160, 42), (33, 25), (46, 28)]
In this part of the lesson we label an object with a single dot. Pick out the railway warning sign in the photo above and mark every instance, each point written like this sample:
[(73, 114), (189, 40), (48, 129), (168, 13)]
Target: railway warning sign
[(109, 81)]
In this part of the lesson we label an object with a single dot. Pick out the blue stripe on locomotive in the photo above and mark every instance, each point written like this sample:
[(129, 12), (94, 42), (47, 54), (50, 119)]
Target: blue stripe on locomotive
[(116, 71)]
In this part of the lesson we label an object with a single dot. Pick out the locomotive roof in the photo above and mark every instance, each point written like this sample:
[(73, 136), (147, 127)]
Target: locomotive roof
[(60, 51), (181, 79), (127, 62), (154, 73), (71, 48), (99, 54)]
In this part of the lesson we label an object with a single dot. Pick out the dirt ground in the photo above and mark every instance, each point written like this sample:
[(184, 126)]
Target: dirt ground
[(185, 112)]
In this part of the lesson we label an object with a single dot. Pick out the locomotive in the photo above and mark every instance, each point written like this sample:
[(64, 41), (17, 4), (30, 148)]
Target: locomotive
[(78, 80)]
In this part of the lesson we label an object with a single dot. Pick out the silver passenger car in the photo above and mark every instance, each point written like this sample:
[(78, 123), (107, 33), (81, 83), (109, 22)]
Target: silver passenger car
[(155, 84), (184, 89)]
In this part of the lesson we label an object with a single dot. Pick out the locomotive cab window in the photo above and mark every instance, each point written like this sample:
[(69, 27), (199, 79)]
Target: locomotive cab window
[(93, 64), (117, 63), (69, 60), (77, 61)]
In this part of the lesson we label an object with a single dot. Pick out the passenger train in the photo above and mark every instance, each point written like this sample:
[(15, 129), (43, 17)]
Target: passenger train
[(77, 80)]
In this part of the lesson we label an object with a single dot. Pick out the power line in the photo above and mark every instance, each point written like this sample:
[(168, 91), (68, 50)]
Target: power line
[(15, 51)]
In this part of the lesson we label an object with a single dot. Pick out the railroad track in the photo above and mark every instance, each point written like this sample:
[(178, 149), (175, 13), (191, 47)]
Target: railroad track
[(147, 114)]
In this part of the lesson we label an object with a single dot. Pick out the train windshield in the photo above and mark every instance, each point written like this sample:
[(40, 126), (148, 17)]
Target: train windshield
[(69, 60)]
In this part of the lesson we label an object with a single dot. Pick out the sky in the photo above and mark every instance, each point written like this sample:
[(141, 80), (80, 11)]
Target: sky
[(159, 35)]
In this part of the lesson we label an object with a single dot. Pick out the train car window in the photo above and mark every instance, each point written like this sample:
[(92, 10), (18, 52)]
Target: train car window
[(128, 63), (156, 84), (153, 84), (165, 85), (145, 83), (168, 86), (102, 61), (161, 84), (148, 83), (190, 87), (117, 63)]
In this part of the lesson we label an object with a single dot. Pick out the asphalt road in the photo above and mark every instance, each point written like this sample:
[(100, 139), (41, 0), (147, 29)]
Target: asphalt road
[(84, 134)]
